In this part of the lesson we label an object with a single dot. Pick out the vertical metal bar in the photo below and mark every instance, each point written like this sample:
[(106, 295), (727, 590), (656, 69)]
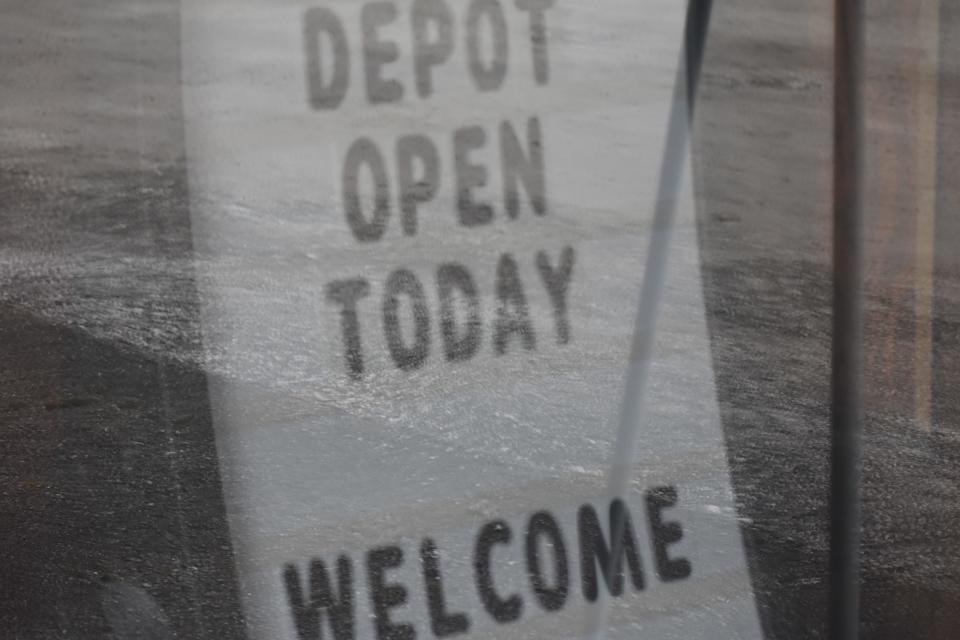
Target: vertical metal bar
[(847, 364), (672, 167), (927, 101)]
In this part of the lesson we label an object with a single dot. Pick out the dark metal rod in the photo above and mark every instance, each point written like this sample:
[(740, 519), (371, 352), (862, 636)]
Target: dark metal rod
[(676, 147), (664, 215), (846, 416)]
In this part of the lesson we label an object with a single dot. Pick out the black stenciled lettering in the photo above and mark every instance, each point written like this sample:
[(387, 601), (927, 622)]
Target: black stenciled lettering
[(364, 153), (404, 282), (458, 343), (487, 77), (470, 176), (442, 623), (379, 53), (594, 551), (502, 610), (512, 314), (523, 167), (387, 595), (347, 293), (538, 36), (663, 534), (325, 95), (416, 187), (428, 53), (544, 525), (557, 283), (308, 614)]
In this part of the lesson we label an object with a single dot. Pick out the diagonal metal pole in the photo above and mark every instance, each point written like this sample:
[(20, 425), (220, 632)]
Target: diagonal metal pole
[(654, 276), (847, 365)]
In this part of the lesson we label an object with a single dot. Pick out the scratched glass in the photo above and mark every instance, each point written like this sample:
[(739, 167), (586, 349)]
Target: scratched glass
[(382, 319)]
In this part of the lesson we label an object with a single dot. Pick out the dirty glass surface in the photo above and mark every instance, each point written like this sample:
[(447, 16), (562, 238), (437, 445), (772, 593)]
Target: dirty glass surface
[(327, 320)]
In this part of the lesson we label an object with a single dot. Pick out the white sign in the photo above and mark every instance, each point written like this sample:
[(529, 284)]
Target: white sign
[(421, 227)]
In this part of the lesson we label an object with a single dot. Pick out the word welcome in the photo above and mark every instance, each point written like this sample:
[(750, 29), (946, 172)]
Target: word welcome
[(324, 599)]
